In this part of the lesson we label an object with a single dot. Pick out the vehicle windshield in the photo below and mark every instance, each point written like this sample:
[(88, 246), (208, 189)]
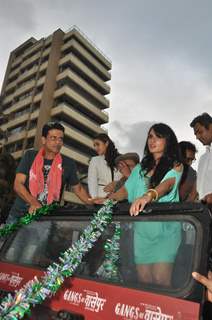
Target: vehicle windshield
[(148, 249)]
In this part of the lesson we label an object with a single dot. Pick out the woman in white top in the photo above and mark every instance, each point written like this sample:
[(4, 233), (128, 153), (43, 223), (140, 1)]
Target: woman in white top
[(101, 170)]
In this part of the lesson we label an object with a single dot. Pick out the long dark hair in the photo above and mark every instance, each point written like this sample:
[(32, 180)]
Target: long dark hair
[(111, 152), (170, 157)]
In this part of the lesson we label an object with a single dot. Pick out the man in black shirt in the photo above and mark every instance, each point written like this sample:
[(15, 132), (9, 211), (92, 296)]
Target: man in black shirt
[(41, 176)]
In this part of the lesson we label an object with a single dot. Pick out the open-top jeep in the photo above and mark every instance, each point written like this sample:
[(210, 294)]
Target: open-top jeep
[(91, 294)]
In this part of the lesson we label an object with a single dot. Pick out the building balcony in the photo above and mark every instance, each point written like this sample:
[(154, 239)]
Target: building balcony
[(8, 98), (14, 73), (11, 85), (100, 99), (20, 119), (96, 65), (19, 105), (86, 73), (48, 40), (16, 61), (44, 66), (41, 81), (30, 60), (76, 32), (29, 85), (25, 87), (77, 135), (21, 135), (75, 155), (38, 97), (46, 52), (89, 108), (28, 73), (22, 103), (33, 48), (71, 113)]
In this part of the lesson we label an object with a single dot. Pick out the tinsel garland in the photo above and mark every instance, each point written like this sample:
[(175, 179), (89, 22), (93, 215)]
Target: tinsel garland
[(109, 269), (27, 219), (36, 291)]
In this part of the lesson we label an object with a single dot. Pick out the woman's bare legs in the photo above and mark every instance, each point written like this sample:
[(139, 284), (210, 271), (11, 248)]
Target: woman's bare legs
[(162, 273), (157, 273), (144, 273)]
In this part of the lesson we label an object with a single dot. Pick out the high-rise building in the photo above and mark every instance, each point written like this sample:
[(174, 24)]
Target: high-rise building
[(59, 78)]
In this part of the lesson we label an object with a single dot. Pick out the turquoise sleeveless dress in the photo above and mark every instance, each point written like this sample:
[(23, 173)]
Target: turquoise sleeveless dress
[(154, 242)]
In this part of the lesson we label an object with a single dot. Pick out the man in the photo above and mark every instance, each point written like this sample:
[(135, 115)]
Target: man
[(188, 190), (125, 163), (202, 126), (42, 175)]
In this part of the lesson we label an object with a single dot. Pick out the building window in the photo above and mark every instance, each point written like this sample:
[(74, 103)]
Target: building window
[(10, 91), (23, 96), (33, 124), (15, 130), (16, 146), (11, 79), (23, 83), (6, 106), (44, 59), (42, 73)]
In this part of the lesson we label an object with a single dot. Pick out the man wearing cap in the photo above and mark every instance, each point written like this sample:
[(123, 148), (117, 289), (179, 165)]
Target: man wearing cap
[(42, 175), (125, 163)]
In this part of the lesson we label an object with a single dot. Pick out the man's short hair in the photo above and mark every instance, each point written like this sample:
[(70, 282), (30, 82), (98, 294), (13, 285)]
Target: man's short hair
[(186, 145), (128, 156), (50, 126), (204, 119)]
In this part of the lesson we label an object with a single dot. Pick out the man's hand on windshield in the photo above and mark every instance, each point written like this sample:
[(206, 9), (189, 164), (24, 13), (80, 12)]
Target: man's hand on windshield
[(34, 206), (207, 282)]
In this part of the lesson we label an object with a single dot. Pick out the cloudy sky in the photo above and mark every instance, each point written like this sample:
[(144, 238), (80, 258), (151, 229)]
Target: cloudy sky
[(161, 52)]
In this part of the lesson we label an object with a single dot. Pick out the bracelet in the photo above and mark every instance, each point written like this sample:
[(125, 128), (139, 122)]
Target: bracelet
[(153, 194)]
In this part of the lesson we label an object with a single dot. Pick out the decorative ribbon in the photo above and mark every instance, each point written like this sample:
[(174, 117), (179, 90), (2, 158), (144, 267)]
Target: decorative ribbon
[(37, 290), (109, 269), (27, 219)]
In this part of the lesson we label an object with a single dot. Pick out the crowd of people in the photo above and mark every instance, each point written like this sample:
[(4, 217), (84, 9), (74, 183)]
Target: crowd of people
[(164, 174)]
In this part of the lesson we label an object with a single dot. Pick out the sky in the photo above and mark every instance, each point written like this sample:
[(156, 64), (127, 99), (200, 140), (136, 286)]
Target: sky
[(161, 52)]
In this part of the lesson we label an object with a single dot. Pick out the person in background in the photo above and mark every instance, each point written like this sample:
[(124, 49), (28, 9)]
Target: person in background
[(102, 170), (188, 190), (125, 163), (42, 175), (202, 126), (156, 178), (7, 176)]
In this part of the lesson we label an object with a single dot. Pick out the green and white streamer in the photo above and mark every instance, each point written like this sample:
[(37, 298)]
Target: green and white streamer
[(37, 290), (109, 270), (27, 219)]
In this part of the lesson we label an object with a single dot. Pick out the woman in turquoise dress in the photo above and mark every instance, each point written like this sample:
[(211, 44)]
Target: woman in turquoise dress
[(156, 178)]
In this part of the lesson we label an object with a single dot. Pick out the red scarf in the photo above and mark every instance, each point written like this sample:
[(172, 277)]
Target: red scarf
[(54, 179)]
